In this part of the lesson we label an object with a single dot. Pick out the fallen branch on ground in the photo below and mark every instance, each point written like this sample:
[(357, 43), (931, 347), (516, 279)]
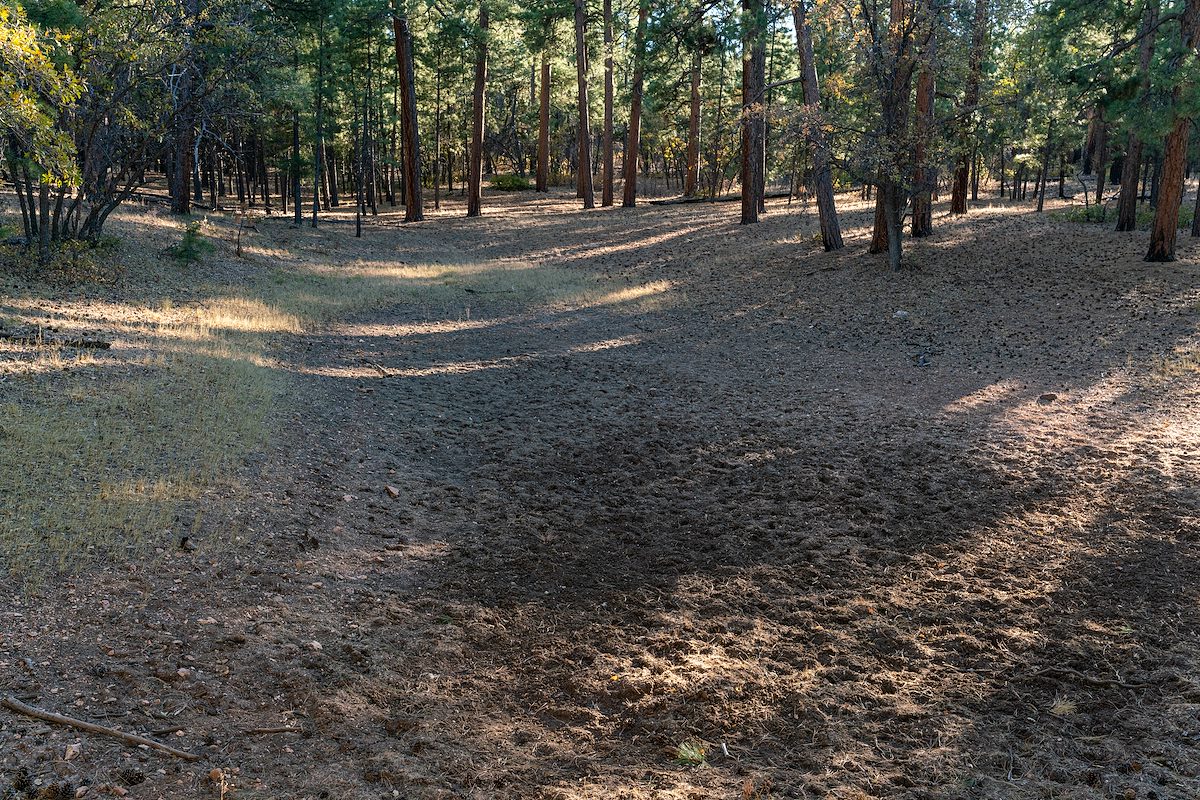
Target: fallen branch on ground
[(40, 340), (1062, 672), (13, 704)]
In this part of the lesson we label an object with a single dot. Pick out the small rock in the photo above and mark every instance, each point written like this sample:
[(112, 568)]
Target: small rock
[(900, 315), (1048, 397), (392, 491), (315, 645)]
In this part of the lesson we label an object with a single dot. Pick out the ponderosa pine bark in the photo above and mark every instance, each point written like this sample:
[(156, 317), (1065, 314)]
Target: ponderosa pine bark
[(584, 166), (818, 141), (958, 194), (754, 67), (1131, 168), (634, 142), (1166, 214), (692, 175), (410, 143), (606, 192), (478, 99)]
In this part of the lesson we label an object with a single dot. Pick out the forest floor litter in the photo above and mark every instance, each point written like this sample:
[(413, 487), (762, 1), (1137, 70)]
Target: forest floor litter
[(639, 504)]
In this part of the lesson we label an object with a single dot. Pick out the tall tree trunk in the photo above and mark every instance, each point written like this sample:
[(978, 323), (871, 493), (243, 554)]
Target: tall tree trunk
[(410, 140), (714, 162), (43, 222), (754, 65), (185, 118), (925, 176), (894, 72), (1196, 215), (319, 136), (1166, 215), (294, 170), (543, 149), (1100, 160), (478, 99), (1131, 168), (692, 174), (818, 143), (879, 234), (437, 137), (1045, 173), (606, 191), (584, 165), (634, 144), (958, 194)]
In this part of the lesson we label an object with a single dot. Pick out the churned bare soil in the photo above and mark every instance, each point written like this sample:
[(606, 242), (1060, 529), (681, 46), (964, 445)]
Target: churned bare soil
[(645, 504)]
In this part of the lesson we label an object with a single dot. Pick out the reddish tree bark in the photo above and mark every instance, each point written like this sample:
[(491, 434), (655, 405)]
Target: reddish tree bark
[(410, 143)]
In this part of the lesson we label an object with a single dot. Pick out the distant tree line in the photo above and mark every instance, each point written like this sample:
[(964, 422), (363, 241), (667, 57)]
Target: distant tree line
[(299, 106)]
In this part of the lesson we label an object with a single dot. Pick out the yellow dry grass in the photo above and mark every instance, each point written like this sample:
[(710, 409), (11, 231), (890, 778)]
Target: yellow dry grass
[(105, 454)]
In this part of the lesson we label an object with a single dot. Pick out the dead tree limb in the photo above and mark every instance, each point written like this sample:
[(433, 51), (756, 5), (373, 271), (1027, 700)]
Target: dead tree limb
[(15, 705)]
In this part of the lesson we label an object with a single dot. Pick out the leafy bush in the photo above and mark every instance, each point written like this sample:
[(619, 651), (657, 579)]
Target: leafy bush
[(192, 246), (511, 183)]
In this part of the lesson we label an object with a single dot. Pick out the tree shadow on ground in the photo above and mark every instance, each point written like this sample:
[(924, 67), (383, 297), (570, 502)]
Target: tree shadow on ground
[(849, 549)]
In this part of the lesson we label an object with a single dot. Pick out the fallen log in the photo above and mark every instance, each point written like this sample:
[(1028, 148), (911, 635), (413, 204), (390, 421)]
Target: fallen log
[(676, 201)]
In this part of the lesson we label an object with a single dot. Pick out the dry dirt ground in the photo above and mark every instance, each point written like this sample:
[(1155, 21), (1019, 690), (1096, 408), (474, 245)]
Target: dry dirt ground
[(749, 521)]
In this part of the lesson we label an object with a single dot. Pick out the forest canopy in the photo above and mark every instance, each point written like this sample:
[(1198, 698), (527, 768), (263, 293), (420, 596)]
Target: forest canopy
[(302, 106)]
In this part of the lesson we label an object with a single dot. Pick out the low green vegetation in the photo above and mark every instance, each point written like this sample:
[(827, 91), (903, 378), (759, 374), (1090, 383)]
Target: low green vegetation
[(1095, 214), (511, 183), (192, 246)]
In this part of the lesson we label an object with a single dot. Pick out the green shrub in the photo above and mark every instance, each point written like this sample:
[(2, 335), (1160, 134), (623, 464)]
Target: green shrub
[(511, 183), (1145, 215), (192, 246)]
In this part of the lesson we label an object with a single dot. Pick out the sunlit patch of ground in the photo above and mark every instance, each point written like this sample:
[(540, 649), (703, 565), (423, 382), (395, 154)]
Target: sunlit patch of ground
[(640, 504)]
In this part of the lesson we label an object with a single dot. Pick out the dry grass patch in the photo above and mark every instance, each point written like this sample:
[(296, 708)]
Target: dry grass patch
[(105, 453)]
